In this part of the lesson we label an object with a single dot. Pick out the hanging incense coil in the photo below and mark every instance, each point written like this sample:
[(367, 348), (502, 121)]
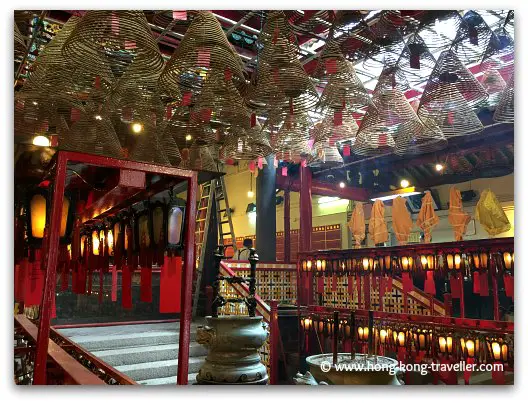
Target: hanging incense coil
[(499, 53), (93, 134), (248, 144), (344, 88), (281, 76), (148, 146), (357, 43), (472, 38), (416, 61), (203, 49), (171, 149), (109, 41), (441, 32), (504, 112), (387, 44), (20, 42), (494, 84), (390, 116), (492, 163), (448, 80), (167, 20), (331, 61), (305, 22), (203, 157), (291, 141), (452, 114), (430, 138), (221, 103), (55, 77), (391, 77), (338, 125)]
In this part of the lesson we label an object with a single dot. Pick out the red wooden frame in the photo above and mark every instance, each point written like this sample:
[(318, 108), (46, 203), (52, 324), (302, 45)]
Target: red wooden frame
[(62, 158)]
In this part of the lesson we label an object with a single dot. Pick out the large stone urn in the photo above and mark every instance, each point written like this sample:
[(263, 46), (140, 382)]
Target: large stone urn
[(369, 370), (233, 358)]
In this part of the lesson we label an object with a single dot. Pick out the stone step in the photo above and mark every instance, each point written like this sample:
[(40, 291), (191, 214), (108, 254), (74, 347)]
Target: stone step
[(158, 369), (149, 353), (170, 380)]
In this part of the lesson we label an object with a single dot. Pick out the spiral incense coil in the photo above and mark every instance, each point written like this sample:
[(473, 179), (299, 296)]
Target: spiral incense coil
[(20, 42), (291, 141), (202, 135), (448, 80), (387, 44), (56, 77), (203, 157), (441, 32), (93, 134), (494, 84), (472, 38), (203, 49), (391, 77), (171, 149), (499, 53), (165, 19), (331, 62), (306, 22), (220, 102), (248, 144), (344, 88), (390, 116), (416, 61), (429, 139), (281, 75), (106, 41), (504, 112), (148, 146), (509, 23), (338, 125), (452, 114)]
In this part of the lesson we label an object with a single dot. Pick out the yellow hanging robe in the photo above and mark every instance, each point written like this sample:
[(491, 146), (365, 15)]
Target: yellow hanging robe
[(458, 219), (377, 225), (401, 220), (490, 214), (357, 224), (427, 218)]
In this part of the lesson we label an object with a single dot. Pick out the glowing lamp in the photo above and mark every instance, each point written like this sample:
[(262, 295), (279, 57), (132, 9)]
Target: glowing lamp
[(507, 259), (406, 262), (41, 141), (363, 333), (137, 127), (470, 346), (37, 208), (175, 225), (384, 336), (110, 240), (83, 242), (498, 348), (309, 265), (428, 262), (102, 241), (306, 324), (399, 338), (385, 262), (480, 260), (95, 242), (422, 339), (445, 344), (318, 265), (157, 216), (367, 263), (454, 261)]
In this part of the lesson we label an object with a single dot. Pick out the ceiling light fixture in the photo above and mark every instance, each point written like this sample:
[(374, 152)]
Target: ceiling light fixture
[(404, 183), (137, 128), (439, 167), (407, 192), (41, 141)]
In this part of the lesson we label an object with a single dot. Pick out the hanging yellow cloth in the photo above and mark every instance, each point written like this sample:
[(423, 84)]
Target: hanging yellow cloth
[(377, 225), (357, 224), (401, 220), (427, 217), (490, 214), (458, 219)]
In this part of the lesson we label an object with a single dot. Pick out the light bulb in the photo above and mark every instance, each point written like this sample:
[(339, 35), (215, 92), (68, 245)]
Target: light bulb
[(137, 127), (250, 193), (439, 167), (41, 141), (404, 183), (98, 117), (188, 137), (342, 185)]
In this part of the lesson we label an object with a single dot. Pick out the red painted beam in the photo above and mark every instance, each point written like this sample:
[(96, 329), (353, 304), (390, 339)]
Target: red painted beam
[(323, 189), (305, 209)]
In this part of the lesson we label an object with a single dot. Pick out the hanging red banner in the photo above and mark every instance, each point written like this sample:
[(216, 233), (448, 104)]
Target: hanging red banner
[(350, 285), (455, 286), (186, 98), (508, 285), (203, 57), (34, 285), (484, 286), (170, 285), (429, 286), (114, 283), (179, 15), (407, 282), (228, 75), (476, 282), (320, 284), (331, 66), (334, 282)]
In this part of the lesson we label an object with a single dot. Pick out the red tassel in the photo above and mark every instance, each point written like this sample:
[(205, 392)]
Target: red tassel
[(508, 285), (34, 286), (331, 66), (146, 285), (334, 282), (253, 119), (407, 282), (389, 285), (227, 74), (346, 150), (338, 119), (126, 287), (467, 370), (114, 283), (97, 82), (170, 285), (498, 376), (476, 282), (206, 114), (186, 98), (455, 286), (320, 284), (484, 286), (402, 352), (203, 57), (429, 286)]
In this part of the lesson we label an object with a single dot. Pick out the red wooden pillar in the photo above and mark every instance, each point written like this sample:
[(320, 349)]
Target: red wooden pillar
[(305, 209), (39, 375), (274, 343), (186, 295), (287, 247)]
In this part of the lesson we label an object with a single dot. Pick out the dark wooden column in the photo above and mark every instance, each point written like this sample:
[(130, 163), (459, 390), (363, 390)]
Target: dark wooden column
[(305, 230), (287, 249), (266, 232)]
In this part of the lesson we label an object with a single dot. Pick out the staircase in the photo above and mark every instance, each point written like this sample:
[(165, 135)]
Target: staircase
[(147, 353)]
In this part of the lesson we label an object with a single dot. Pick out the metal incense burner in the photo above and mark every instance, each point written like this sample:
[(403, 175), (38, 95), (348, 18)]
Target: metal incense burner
[(233, 341)]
